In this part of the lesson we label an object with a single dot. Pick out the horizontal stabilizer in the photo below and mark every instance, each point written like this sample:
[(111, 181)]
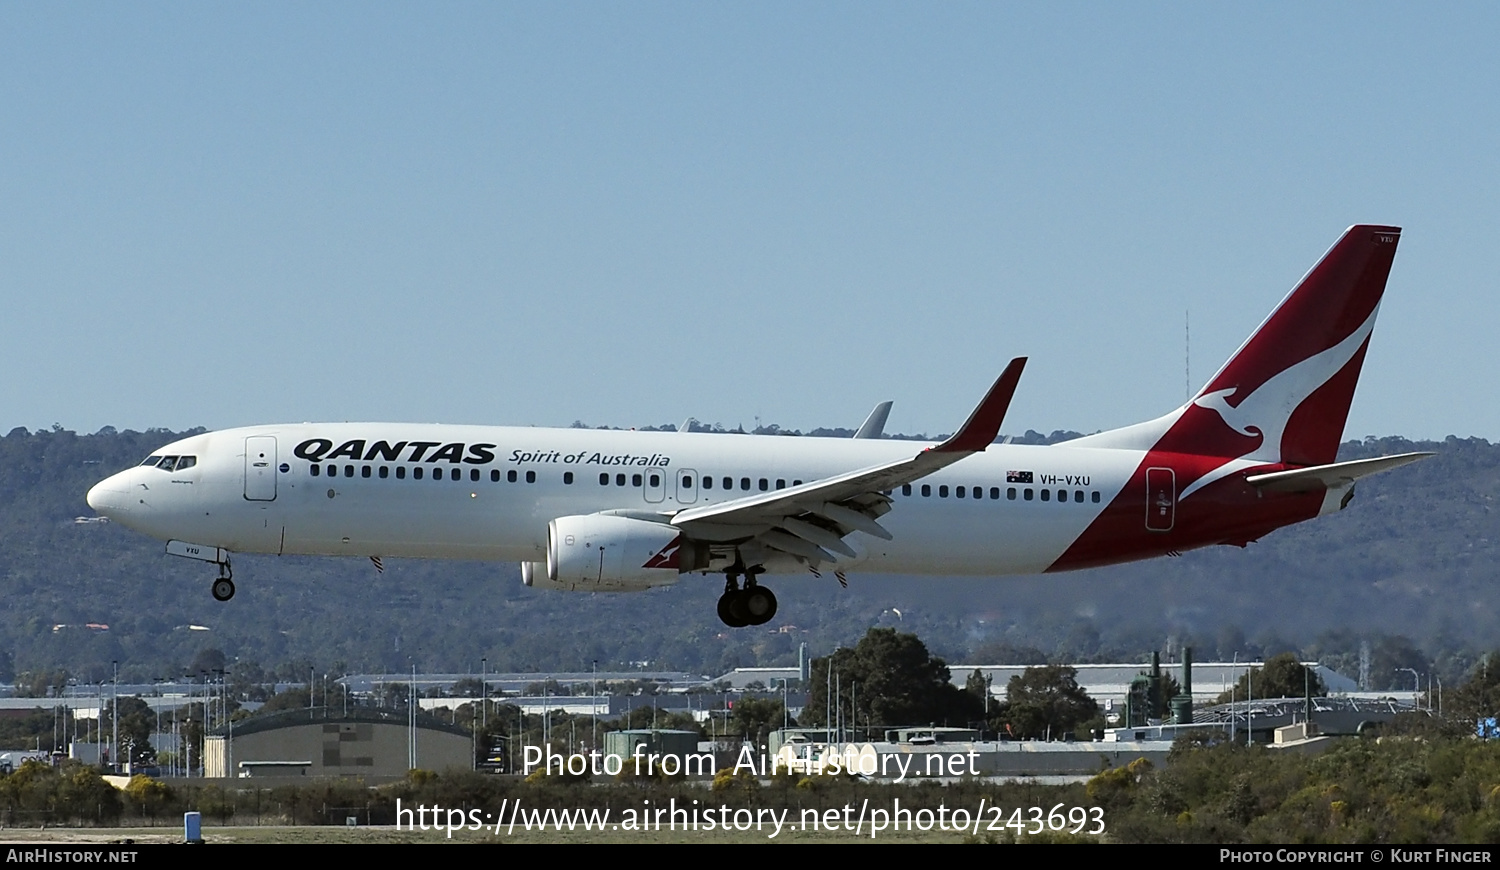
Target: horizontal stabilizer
[(1329, 476)]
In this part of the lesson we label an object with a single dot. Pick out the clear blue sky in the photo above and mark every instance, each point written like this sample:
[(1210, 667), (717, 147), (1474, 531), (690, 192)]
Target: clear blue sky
[(220, 214)]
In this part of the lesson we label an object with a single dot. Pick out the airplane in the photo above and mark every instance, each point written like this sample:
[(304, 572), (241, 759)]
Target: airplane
[(607, 510)]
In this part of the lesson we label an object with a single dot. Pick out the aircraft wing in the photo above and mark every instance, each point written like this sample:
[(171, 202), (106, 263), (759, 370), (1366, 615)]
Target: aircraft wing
[(804, 519)]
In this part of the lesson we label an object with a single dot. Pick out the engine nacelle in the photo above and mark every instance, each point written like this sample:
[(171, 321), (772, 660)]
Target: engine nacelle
[(599, 553)]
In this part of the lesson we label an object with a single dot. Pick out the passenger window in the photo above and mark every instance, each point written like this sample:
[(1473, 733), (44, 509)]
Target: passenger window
[(385, 471), (1046, 495), (764, 484), (745, 484), (1027, 495), (796, 483), (635, 480), (619, 480), (1096, 496), (400, 472), (473, 474), (494, 475), (348, 471), (729, 483), (687, 482), (959, 492), (531, 477), (568, 478), (416, 473), (926, 490), (943, 491), (364, 471), (708, 482), (313, 470), (1062, 495), (1010, 493), (780, 484), (906, 489), (995, 492), (655, 480), (604, 479), (1078, 496), (510, 476)]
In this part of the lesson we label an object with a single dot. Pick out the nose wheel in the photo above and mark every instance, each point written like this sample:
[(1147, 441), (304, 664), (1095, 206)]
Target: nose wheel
[(223, 587)]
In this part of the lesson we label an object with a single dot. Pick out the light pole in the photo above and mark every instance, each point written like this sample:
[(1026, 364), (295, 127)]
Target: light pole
[(114, 722)]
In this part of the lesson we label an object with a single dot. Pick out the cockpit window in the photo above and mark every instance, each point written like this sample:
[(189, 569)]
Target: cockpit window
[(171, 463)]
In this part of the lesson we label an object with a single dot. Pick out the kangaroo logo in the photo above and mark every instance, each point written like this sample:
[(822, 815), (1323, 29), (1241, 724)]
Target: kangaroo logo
[(1267, 410)]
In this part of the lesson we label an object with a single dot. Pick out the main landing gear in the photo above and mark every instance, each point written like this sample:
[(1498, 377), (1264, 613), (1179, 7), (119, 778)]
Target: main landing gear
[(752, 605), (223, 587)]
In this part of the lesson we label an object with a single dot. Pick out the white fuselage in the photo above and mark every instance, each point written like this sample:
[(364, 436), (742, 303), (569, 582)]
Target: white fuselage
[(255, 490)]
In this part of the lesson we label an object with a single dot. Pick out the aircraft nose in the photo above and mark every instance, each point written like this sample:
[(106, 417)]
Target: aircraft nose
[(107, 497)]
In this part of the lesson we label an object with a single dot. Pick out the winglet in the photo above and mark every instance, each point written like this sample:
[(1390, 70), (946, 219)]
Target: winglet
[(979, 431), (874, 425)]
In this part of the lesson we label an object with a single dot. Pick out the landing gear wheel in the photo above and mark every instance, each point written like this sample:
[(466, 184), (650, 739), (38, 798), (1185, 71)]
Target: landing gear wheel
[(727, 610), (732, 610), (223, 589), (759, 604)]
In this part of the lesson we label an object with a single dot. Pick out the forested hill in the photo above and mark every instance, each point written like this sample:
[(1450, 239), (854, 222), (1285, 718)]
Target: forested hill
[(1414, 557)]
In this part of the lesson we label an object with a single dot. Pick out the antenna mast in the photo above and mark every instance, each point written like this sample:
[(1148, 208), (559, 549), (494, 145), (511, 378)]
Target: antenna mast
[(1187, 360)]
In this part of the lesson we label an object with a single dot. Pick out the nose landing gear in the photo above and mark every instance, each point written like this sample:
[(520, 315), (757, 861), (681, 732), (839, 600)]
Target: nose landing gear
[(223, 587)]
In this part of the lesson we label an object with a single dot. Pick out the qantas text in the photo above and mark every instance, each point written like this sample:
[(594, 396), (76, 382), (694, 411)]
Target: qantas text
[(362, 450)]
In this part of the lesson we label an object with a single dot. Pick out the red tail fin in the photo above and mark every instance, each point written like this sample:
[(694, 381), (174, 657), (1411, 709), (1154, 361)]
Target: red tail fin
[(1285, 394)]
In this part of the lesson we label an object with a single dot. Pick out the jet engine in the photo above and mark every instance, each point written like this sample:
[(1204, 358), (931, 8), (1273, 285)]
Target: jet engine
[(601, 553)]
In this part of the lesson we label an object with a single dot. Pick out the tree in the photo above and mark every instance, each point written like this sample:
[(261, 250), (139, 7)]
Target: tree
[(979, 687), (755, 718), (888, 679), (470, 687), (208, 661), (294, 698), (1282, 677), (41, 683), (1479, 698), (1045, 702), (137, 721)]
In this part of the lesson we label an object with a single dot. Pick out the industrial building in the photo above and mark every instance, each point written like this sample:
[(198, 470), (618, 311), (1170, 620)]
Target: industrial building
[(323, 741)]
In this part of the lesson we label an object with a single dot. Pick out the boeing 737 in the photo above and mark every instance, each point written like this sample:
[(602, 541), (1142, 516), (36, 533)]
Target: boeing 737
[(589, 510)]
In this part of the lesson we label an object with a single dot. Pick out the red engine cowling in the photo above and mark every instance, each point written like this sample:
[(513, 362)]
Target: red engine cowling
[(599, 553)]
